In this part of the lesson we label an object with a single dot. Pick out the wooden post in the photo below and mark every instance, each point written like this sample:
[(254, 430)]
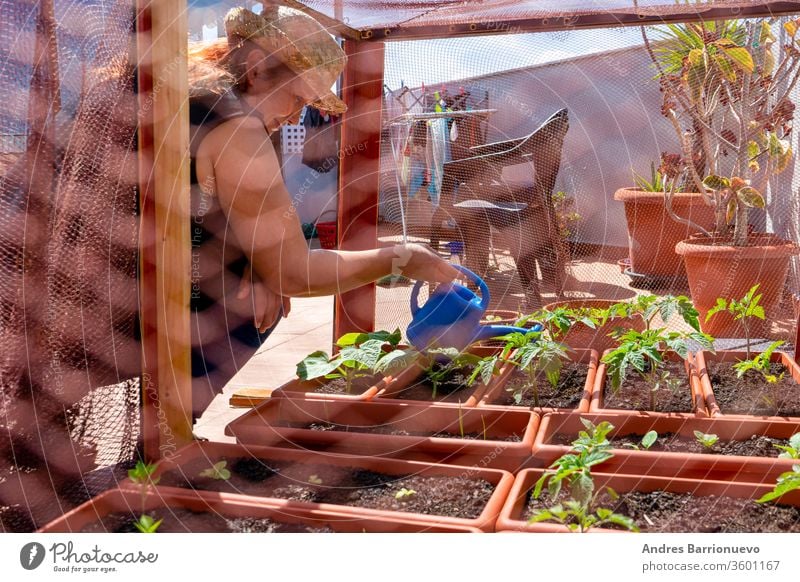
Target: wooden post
[(359, 175), (165, 243)]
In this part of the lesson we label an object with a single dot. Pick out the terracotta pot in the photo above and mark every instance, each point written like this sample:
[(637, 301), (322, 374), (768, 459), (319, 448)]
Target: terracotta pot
[(120, 501), (415, 374), (262, 426), (670, 464), (717, 269), (510, 518), (732, 356), (653, 234), (582, 336), (506, 317), (500, 480), (496, 388), (698, 399)]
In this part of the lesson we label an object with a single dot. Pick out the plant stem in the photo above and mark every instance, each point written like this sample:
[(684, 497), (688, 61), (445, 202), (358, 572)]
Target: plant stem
[(532, 384), (460, 420)]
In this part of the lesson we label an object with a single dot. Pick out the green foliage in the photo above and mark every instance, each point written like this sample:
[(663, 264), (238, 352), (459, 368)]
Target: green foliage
[(218, 472), (535, 354), (577, 516), (591, 448), (656, 182), (705, 439), (648, 440), (648, 306), (142, 473), (404, 494), (360, 354), (642, 353), (744, 309), (477, 367), (147, 524), (788, 481), (761, 364), (792, 450)]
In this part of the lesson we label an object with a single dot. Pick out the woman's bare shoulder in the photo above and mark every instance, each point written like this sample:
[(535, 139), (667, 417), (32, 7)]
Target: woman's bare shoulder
[(243, 136)]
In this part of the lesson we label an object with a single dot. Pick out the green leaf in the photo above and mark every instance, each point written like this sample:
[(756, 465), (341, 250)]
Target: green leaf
[(750, 197), (316, 365), (725, 67), (622, 521), (739, 56), (713, 182), (350, 339), (395, 360), (794, 441), (649, 439), (721, 305)]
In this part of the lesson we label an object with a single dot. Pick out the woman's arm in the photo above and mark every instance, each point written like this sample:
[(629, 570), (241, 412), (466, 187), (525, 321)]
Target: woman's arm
[(265, 224)]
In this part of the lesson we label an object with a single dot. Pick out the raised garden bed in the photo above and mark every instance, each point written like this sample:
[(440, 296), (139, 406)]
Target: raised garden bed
[(413, 385), (666, 504), (116, 511), (354, 486), (573, 391), (634, 393), (386, 429), (750, 395), (679, 454)]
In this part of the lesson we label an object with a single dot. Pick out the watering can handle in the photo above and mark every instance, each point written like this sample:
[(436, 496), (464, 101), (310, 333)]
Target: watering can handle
[(480, 282)]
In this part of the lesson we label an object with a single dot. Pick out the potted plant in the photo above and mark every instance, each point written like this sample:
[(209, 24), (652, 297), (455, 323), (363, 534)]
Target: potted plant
[(362, 367), (540, 372), (727, 97), (445, 375), (177, 512), (653, 369), (435, 494), (654, 227), (743, 382), (678, 445), (383, 428)]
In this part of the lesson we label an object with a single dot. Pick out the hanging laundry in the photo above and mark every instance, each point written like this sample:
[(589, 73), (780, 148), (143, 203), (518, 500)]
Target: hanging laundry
[(321, 146)]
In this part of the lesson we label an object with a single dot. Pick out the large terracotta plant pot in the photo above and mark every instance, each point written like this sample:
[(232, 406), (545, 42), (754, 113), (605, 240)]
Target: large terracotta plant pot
[(653, 234), (166, 504), (717, 269), (511, 518), (557, 430), (602, 386), (581, 336), (730, 357), (392, 429), (313, 475), (496, 394)]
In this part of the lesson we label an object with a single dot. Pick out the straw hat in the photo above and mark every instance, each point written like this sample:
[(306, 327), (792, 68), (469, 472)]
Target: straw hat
[(298, 41)]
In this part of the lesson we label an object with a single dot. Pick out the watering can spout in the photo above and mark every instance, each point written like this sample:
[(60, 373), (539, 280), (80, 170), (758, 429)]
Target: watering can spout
[(491, 331)]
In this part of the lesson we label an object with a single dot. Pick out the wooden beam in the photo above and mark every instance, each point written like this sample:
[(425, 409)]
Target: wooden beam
[(569, 21), (359, 175), (165, 243)]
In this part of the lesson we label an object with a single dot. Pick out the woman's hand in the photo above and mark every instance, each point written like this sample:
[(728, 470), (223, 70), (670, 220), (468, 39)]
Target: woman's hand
[(267, 306), (420, 262)]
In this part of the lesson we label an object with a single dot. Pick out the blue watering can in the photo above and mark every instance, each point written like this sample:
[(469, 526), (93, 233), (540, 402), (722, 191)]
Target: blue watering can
[(451, 318)]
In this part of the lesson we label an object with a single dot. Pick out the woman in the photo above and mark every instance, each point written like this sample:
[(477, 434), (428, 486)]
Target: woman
[(245, 229)]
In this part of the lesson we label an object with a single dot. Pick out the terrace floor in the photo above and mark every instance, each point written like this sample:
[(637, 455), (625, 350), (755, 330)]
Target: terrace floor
[(592, 273)]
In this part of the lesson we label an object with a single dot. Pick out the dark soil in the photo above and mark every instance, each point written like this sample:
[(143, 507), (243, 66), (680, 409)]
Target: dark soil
[(339, 385), (634, 393), (390, 430), (755, 446), (664, 512), (453, 389), (179, 520), (461, 497), (751, 394), (567, 394)]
